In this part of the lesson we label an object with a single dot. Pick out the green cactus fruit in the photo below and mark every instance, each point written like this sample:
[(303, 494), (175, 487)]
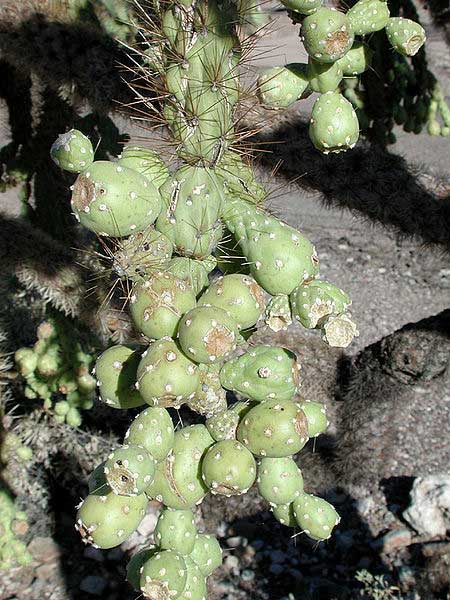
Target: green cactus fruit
[(278, 313), (157, 304), (195, 272), (135, 565), (116, 371), (176, 530), (207, 553), (316, 415), (367, 16), (327, 35), (303, 7), (114, 201), (165, 376), (279, 87), (47, 365), (315, 516), (163, 575), (228, 468), (274, 428), (208, 334), (72, 151), (334, 126), (238, 178), (357, 60), (73, 417), (284, 514), (324, 77), (239, 295), (313, 303), (129, 470), (153, 429), (405, 36), (178, 479), (338, 331), (223, 425), (192, 201), (26, 360), (210, 397), (262, 373), (280, 257), (146, 162), (105, 519), (141, 254), (195, 588), (279, 480)]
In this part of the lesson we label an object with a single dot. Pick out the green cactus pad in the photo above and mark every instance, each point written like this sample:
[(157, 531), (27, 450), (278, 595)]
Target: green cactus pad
[(313, 303), (279, 480), (278, 313), (316, 415), (223, 425), (274, 428), (339, 330), (334, 126), (239, 295), (210, 397), (367, 16), (279, 87), (105, 519), (176, 530), (165, 376), (72, 151), (228, 468), (163, 575), (135, 565), (284, 514), (157, 304), (262, 373), (315, 516), (146, 162), (112, 200), (116, 371), (327, 35), (357, 60), (208, 334), (207, 553), (129, 470), (324, 77), (303, 7), (153, 429), (195, 588), (405, 36), (195, 272)]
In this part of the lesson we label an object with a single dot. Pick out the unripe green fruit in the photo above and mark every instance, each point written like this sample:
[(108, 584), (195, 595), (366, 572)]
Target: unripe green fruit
[(228, 468), (327, 35), (223, 425), (146, 162), (239, 295), (176, 530), (316, 415), (86, 383), (112, 200), (207, 553), (208, 334), (405, 36), (195, 272), (339, 330), (262, 373), (195, 588), (129, 470), (278, 313), (210, 397), (315, 516), (72, 151), (163, 575), (135, 565), (367, 16), (238, 178), (73, 417), (284, 514), (279, 480), (158, 304), (357, 60), (153, 429), (105, 519), (165, 376), (26, 360), (334, 126), (61, 408), (116, 372), (313, 303), (279, 87), (47, 365), (303, 7), (274, 428), (324, 77)]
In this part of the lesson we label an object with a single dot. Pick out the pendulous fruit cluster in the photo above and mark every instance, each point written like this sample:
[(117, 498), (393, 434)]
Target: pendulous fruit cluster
[(337, 51), (13, 526)]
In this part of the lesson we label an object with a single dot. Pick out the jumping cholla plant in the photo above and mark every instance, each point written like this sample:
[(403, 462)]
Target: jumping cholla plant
[(174, 230)]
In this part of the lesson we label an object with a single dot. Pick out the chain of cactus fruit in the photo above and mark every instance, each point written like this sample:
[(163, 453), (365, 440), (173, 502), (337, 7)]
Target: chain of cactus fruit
[(338, 54), (206, 264)]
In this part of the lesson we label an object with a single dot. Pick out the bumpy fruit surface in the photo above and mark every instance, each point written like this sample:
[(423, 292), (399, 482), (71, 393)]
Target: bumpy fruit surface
[(315, 516), (228, 468), (334, 126), (357, 60), (163, 575), (129, 470), (324, 77), (339, 331), (146, 162), (158, 304), (405, 36), (165, 375), (223, 425), (176, 530), (304, 7), (72, 151), (316, 415), (116, 371), (207, 553), (153, 429), (195, 272), (262, 373), (367, 16), (279, 87), (112, 200), (238, 179), (279, 480), (274, 428), (284, 514), (278, 313), (210, 397), (313, 303), (195, 588), (327, 35)]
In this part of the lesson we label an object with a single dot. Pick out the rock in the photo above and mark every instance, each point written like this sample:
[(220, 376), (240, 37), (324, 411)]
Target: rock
[(234, 542), (277, 556), (93, 584), (276, 569), (44, 549), (94, 554), (429, 510), (148, 524), (232, 562), (247, 575), (46, 571), (394, 540)]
